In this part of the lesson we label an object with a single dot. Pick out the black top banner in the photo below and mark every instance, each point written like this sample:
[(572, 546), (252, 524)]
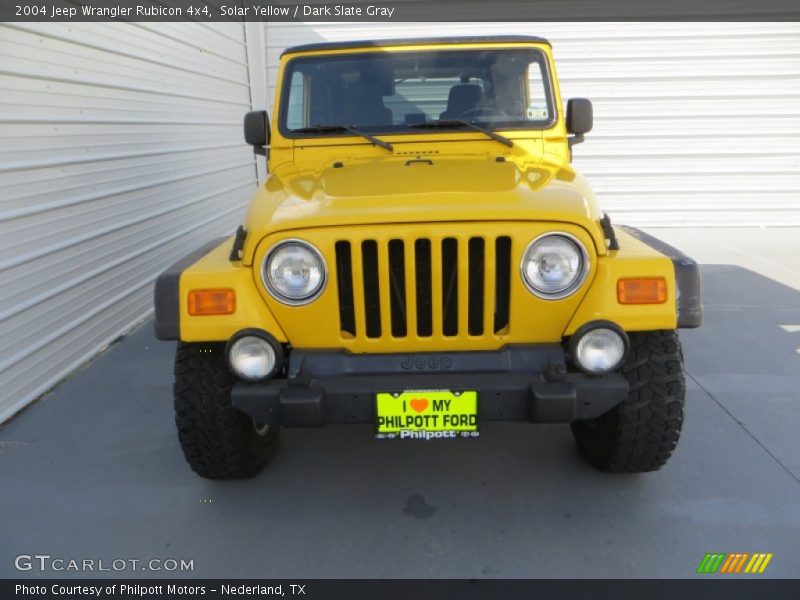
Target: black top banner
[(398, 11)]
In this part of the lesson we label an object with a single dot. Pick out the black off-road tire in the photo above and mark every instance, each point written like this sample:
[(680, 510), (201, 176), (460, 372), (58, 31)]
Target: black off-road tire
[(218, 441), (640, 433)]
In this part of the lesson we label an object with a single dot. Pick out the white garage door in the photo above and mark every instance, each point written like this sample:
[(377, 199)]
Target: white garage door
[(120, 151), (695, 123)]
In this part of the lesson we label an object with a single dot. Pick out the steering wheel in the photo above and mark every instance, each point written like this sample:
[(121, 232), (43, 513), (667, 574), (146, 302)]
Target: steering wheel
[(483, 110)]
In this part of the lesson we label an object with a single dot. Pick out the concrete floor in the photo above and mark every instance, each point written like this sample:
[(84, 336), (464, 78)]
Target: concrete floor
[(93, 470)]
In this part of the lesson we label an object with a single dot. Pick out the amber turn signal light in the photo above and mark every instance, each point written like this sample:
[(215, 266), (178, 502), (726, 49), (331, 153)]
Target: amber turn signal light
[(650, 290), (212, 302)]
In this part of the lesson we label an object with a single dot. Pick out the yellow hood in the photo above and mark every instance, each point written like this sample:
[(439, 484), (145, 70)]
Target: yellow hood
[(399, 189)]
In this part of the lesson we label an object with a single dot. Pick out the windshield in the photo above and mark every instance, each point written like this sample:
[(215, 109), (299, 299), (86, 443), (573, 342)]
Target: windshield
[(385, 92)]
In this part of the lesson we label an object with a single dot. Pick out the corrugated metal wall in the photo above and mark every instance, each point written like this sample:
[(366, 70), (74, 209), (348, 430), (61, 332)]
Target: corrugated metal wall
[(120, 151), (695, 123)]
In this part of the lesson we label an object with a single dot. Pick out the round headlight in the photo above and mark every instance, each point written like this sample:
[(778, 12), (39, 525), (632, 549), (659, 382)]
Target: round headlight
[(294, 272), (599, 350), (252, 357), (554, 265)]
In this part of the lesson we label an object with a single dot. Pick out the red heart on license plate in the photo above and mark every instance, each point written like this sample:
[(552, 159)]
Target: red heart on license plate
[(419, 404)]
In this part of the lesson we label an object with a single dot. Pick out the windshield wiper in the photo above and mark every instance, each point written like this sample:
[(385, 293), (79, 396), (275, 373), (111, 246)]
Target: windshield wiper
[(444, 123), (335, 128)]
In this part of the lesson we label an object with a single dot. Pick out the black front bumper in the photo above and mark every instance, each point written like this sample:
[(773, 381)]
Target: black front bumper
[(517, 383)]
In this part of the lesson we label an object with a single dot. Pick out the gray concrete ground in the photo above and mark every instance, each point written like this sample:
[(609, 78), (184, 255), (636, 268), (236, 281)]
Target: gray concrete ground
[(93, 470)]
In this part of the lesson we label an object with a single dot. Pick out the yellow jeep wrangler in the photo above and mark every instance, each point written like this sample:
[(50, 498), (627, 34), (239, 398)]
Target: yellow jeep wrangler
[(424, 258)]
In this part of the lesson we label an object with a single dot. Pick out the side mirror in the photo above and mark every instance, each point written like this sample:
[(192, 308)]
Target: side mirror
[(580, 118), (256, 131)]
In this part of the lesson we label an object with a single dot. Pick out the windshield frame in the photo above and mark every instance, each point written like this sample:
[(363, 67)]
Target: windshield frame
[(547, 81)]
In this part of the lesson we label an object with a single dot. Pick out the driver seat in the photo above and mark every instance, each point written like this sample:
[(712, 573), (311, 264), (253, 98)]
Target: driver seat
[(463, 97)]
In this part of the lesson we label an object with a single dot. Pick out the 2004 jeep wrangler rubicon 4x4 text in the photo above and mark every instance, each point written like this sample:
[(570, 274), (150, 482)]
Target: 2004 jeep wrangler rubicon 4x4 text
[(423, 257)]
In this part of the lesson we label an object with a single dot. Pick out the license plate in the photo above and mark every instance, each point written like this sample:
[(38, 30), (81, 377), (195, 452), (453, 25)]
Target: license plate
[(427, 414)]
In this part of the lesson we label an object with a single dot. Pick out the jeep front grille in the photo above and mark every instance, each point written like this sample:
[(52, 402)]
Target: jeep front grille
[(423, 287)]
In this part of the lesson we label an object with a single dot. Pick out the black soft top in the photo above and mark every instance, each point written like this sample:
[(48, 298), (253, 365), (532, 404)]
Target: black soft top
[(476, 39)]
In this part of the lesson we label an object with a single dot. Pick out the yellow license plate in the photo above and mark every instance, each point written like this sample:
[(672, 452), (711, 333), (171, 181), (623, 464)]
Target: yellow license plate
[(427, 414)]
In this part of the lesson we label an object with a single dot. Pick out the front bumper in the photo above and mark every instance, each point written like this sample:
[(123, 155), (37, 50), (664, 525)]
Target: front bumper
[(516, 383)]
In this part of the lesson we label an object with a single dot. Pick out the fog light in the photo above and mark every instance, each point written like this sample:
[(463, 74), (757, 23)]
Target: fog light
[(253, 357), (600, 349)]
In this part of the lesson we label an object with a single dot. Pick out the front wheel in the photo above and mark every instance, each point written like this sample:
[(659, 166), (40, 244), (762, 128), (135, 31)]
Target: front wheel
[(218, 441), (641, 432)]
